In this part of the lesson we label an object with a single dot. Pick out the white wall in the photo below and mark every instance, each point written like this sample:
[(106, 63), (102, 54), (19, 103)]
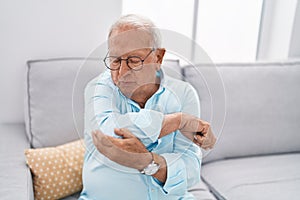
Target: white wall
[(294, 51), (34, 29)]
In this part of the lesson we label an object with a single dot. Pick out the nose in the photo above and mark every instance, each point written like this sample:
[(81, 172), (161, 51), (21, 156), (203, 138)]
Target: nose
[(124, 69)]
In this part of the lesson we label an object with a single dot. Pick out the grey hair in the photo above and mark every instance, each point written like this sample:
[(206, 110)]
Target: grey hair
[(141, 23)]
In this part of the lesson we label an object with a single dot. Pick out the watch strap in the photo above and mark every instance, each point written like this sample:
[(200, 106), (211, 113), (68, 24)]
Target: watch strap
[(150, 166)]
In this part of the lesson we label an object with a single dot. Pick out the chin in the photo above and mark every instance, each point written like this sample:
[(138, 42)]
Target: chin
[(126, 91)]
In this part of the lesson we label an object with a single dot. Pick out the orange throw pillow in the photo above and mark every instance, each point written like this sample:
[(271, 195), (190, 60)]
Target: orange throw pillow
[(57, 170)]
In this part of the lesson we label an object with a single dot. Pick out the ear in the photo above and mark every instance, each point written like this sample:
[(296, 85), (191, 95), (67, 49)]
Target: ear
[(160, 52)]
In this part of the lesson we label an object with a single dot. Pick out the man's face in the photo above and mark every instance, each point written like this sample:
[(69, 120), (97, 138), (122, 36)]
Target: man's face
[(134, 44)]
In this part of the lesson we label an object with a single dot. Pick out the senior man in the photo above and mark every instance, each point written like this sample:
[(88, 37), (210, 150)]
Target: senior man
[(142, 128)]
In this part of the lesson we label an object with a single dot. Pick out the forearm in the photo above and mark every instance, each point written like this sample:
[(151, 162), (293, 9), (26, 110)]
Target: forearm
[(161, 174), (170, 124)]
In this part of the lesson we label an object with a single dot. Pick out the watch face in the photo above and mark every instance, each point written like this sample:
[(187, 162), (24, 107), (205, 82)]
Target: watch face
[(151, 169)]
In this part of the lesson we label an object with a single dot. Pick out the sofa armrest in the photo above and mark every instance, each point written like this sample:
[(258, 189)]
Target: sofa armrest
[(16, 181)]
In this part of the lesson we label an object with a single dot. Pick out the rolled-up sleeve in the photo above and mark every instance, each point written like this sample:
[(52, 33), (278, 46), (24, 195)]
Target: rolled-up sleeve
[(183, 166)]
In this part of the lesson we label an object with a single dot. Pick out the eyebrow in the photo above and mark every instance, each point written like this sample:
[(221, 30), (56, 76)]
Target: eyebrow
[(129, 55)]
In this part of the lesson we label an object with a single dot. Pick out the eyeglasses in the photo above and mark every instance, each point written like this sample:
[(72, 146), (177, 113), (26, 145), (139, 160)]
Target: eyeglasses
[(133, 62)]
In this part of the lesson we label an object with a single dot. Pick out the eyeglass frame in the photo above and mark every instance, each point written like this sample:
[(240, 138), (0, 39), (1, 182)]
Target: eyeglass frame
[(120, 61)]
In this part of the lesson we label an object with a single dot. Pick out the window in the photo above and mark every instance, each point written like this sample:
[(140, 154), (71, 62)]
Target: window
[(227, 30), (176, 15)]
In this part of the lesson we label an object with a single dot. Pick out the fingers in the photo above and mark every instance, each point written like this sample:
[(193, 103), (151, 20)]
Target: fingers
[(123, 132), (195, 140), (208, 141), (106, 146), (97, 135), (203, 126), (100, 139), (213, 141), (205, 141), (199, 140)]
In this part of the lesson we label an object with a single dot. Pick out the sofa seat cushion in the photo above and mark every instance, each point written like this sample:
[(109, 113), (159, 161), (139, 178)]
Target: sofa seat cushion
[(260, 177), (201, 191), (15, 177), (72, 197)]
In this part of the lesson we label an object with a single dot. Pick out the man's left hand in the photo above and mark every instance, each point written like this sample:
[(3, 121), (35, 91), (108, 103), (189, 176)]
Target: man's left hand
[(128, 142), (129, 152)]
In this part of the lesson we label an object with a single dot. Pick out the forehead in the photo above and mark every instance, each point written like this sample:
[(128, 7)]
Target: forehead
[(136, 52), (124, 41)]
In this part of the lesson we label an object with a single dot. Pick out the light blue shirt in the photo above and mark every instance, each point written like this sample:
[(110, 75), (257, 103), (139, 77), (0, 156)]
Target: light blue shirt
[(107, 108)]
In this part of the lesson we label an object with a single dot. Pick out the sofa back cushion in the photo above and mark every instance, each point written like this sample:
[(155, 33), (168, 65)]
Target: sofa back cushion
[(54, 99), (255, 112), (54, 102)]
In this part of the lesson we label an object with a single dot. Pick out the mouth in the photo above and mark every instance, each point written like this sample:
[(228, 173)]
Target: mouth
[(126, 82)]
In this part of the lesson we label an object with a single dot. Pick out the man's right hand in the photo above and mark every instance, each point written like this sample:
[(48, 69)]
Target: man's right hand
[(197, 130)]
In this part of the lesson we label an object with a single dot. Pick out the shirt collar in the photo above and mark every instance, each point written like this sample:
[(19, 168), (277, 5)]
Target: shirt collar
[(162, 85)]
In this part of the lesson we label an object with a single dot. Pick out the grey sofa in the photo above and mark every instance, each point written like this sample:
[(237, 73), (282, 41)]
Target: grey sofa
[(254, 109), (257, 153)]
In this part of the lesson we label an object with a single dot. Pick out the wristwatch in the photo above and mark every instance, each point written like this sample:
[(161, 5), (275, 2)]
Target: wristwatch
[(152, 168)]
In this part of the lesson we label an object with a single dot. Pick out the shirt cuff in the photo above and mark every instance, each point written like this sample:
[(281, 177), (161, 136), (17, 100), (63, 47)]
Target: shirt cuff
[(176, 183)]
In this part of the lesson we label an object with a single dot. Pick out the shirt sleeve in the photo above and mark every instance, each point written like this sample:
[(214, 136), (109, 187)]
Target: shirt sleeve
[(183, 166), (103, 112)]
